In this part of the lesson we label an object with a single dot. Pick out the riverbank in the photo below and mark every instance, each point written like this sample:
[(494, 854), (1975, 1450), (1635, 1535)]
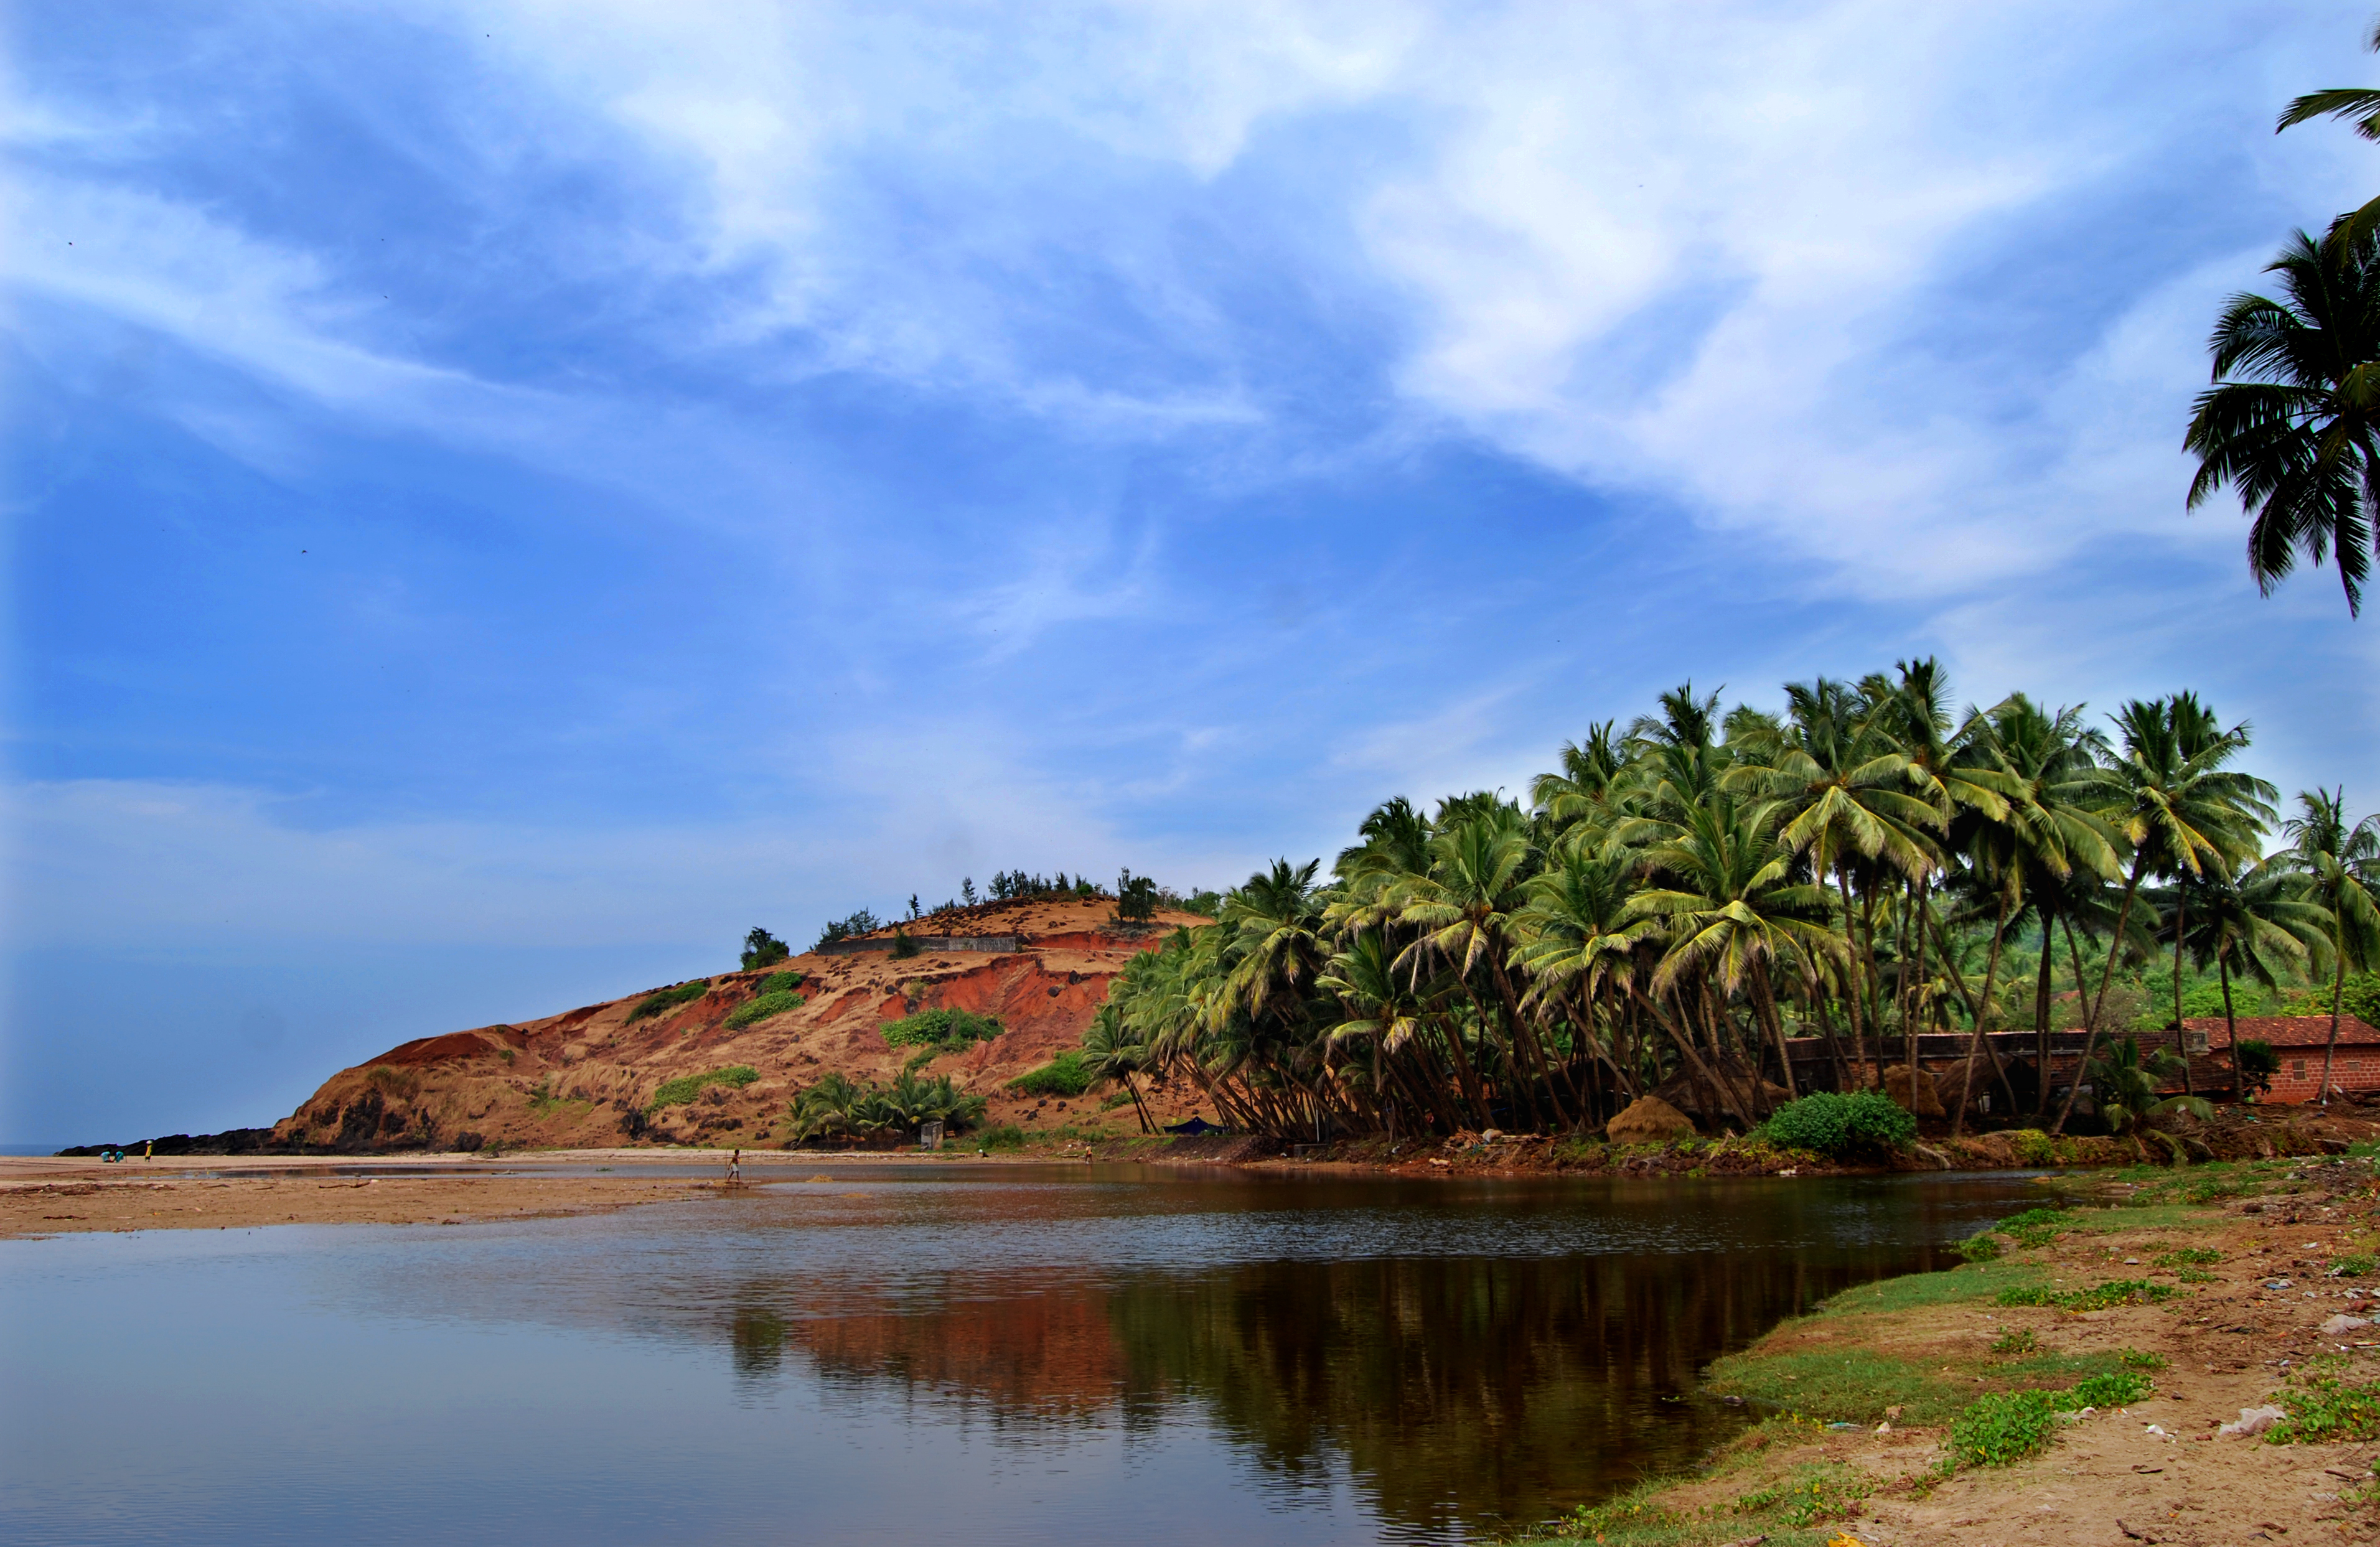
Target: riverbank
[(2155, 1308)]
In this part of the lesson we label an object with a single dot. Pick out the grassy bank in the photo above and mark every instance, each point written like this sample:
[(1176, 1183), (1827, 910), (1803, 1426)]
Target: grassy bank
[(2090, 1349)]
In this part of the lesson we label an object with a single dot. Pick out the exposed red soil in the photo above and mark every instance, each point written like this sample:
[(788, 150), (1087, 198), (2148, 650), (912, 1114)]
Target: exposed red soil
[(586, 1077)]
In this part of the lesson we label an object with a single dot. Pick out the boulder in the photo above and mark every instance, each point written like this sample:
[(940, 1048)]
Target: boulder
[(1648, 1121), (1927, 1100)]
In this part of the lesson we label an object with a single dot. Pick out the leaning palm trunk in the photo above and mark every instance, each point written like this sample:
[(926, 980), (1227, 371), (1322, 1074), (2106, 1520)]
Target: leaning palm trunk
[(1765, 1004), (2337, 987), (1701, 1071), (1980, 1010)]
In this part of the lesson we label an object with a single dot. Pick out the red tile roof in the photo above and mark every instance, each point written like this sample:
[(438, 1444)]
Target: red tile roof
[(2286, 1031)]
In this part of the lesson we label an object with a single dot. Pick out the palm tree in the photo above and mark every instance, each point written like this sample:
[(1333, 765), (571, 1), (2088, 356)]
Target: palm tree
[(1389, 1015), (2293, 421), (1111, 1052), (2170, 798), (2244, 923), (1576, 939), (1734, 910), (2342, 864), (2126, 1081), (1463, 907)]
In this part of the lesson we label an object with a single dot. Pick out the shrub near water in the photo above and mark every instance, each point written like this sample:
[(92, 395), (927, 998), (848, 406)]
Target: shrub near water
[(2004, 1428), (1830, 1123)]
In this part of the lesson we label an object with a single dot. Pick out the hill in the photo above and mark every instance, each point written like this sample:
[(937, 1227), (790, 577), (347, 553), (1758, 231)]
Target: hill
[(591, 1076)]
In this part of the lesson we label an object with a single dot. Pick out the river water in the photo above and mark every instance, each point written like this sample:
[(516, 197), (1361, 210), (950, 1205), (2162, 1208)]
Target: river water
[(988, 1356)]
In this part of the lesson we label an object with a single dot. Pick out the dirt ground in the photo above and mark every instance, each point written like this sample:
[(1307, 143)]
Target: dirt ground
[(2231, 1337)]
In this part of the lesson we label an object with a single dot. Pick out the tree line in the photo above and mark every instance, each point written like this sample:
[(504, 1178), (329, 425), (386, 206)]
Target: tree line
[(1683, 899)]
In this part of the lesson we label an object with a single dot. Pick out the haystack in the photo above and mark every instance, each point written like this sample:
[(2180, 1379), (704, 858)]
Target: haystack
[(1928, 1099), (1648, 1121)]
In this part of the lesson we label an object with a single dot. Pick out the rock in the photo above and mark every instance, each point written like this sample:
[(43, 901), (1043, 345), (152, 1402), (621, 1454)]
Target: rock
[(1927, 1102), (1648, 1121), (2339, 1325), (2253, 1422)]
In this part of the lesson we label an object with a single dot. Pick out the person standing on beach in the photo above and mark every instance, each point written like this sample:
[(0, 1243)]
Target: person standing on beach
[(735, 1166)]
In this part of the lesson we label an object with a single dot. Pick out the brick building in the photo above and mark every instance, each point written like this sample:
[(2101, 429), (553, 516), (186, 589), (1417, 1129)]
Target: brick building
[(2300, 1041)]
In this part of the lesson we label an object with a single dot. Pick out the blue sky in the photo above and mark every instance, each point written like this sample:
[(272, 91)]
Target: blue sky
[(502, 498)]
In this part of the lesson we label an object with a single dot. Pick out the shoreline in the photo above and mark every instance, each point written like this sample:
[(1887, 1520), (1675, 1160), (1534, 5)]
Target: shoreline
[(2204, 1290)]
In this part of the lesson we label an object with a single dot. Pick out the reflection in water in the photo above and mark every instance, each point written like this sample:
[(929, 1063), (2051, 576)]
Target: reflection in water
[(1459, 1392), (1017, 1355)]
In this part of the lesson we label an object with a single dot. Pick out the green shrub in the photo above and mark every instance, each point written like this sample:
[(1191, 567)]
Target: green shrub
[(2036, 1226), (1068, 1074), (763, 949), (2324, 1409), (2024, 1340), (781, 982), (1007, 1136), (662, 1001), (1980, 1247), (903, 945), (2352, 1266), (763, 1007), (686, 1087), (2004, 1428), (2257, 1064), (2194, 1256), (947, 1029), (2034, 1147), (2134, 1359), (1830, 1123), (2120, 1389), (2098, 1297)]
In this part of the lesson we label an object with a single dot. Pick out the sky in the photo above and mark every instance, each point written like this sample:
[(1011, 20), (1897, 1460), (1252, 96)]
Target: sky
[(501, 499)]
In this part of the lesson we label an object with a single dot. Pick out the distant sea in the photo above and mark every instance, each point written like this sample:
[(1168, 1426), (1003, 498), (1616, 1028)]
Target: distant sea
[(31, 1149)]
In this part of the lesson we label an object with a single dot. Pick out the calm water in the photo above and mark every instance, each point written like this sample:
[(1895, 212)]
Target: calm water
[(1058, 1356)]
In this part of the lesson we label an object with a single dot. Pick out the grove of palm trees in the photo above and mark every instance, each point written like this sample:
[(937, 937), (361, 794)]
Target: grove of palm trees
[(1680, 901)]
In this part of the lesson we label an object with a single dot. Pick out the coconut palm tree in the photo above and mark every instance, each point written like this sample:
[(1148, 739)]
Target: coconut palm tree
[(2293, 422), (1576, 942), (2341, 864), (1111, 1052), (2126, 1079), (1731, 907), (2250, 924), (2177, 806)]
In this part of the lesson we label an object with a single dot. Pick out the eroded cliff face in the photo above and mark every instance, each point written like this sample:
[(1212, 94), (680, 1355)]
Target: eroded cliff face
[(587, 1076)]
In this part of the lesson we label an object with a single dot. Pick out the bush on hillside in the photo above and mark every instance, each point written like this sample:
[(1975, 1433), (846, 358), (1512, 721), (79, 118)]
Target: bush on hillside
[(781, 982), (1833, 1124), (763, 1007), (946, 1029), (686, 1087), (1068, 1074), (662, 1001), (763, 949)]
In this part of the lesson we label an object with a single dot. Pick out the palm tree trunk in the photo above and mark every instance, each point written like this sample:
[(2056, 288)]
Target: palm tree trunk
[(1851, 932), (1911, 967), (1464, 1074), (1766, 1002), (2230, 1021), (2180, 931), (2044, 982), (1694, 1062), (2090, 1022), (1138, 1110), (2338, 987), (1991, 971)]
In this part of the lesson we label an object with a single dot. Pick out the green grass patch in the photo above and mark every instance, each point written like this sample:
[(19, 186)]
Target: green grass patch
[(1007, 1136), (1068, 1074), (663, 1001), (2324, 1407), (1837, 1385), (2003, 1428), (765, 1006), (2187, 1256), (2098, 1297), (2118, 1388), (2135, 1359), (686, 1087), (2021, 1340), (1917, 1291), (781, 982), (2036, 1226), (944, 1030), (2355, 1266)]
